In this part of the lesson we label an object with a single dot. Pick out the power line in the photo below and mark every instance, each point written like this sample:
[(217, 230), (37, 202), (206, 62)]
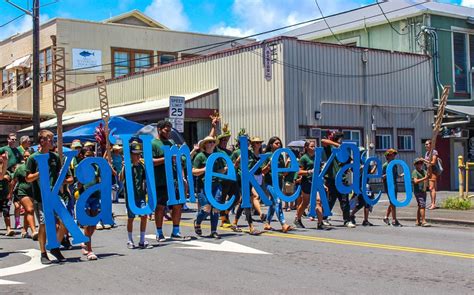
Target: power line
[(12, 20), (390, 23)]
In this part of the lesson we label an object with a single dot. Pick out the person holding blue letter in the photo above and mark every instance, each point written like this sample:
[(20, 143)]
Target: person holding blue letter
[(139, 188), (390, 155)]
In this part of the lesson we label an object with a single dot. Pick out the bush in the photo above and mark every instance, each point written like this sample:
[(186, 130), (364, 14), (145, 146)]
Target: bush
[(456, 203)]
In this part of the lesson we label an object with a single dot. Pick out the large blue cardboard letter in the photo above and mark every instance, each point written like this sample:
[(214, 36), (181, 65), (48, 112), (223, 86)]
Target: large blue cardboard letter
[(366, 176), (85, 173), (150, 178), (52, 203), (391, 185), (317, 184), (343, 154), (209, 174), (177, 154)]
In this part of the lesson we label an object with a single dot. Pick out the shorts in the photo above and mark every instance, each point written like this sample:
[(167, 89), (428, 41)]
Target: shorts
[(162, 196), (38, 207), (5, 207), (421, 199), (140, 203), (306, 187), (93, 204)]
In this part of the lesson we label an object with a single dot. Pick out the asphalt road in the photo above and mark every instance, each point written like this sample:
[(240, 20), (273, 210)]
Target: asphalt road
[(364, 260)]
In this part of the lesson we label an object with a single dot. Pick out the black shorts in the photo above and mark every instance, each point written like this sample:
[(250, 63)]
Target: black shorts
[(306, 187), (5, 207)]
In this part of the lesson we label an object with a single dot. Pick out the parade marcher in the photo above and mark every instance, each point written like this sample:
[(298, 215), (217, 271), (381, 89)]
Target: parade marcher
[(329, 144), (274, 143), (14, 155), (433, 172), (5, 196), (139, 188), (390, 155), (24, 194), (306, 164), (199, 168), (117, 184), (164, 133), (419, 176), (32, 176), (25, 143)]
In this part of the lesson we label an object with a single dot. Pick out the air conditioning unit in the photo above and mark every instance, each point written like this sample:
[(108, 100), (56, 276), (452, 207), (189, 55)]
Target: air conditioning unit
[(315, 133)]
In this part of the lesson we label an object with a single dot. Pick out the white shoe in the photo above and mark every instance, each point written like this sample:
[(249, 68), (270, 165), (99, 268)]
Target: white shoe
[(350, 224), (99, 226), (326, 223)]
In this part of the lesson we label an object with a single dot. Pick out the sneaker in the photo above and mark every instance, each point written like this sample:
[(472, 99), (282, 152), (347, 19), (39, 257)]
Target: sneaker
[(145, 245), (10, 233), (386, 221), (197, 228), (367, 223), (45, 259), (180, 238), (396, 223), (160, 239), (425, 224), (34, 236), (349, 224), (130, 245), (107, 226), (320, 226), (66, 244), (215, 235), (326, 222), (57, 254), (18, 226), (298, 223), (353, 219), (99, 226)]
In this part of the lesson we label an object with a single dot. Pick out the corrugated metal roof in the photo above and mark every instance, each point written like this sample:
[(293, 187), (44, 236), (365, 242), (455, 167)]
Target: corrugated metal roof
[(372, 15), (465, 110)]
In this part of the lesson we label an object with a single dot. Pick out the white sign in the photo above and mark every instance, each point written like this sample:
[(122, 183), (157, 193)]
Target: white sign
[(176, 107), (179, 125), (86, 59)]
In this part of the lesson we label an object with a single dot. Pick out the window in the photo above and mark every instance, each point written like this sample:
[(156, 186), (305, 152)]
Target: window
[(126, 61), (46, 64), (6, 88), (383, 139), (463, 60), (352, 136), (405, 139), (166, 57), (23, 78)]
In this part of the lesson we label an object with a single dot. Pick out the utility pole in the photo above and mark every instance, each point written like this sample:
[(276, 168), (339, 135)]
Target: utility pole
[(36, 73)]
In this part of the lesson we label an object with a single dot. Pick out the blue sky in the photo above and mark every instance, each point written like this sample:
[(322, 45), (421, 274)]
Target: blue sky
[(230, 17)]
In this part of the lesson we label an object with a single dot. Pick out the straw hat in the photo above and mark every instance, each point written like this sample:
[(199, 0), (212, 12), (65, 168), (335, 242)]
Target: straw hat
[(135, 148), (88, 143), (207, 139), (116, 147), (256, 139), (390, 152), (76, 144), (418, 160)]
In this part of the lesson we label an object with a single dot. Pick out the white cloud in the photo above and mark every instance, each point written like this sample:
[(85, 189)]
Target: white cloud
[(20, 26), (224, 30), (168, 12), (468, 3), (263, 15)]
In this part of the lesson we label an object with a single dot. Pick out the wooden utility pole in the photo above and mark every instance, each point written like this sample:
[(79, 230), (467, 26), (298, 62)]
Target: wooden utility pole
[(104, 112), (59, 90)]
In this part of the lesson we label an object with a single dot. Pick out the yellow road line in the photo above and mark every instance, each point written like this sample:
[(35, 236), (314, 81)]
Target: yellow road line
[(351, 243)]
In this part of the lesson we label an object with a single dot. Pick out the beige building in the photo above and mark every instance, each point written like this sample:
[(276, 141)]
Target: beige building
[(116, 47)]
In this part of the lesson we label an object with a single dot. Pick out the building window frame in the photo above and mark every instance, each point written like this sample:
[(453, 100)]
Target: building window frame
[(406, 138), (351, 132), (383, 139), (468, 35), (159, 54), (132, 62)]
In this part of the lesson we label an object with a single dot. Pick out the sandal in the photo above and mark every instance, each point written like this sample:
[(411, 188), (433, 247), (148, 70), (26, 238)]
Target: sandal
[(84, 249), (286, 228), (91, 256), (235, 228), (255, 232), (197, 228), (268, 227), (10, 233)]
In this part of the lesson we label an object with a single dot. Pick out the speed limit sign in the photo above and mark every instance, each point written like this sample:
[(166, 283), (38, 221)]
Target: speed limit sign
[(176, 107)]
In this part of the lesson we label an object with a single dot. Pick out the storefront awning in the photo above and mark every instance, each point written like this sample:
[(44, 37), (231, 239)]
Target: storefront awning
[(461, 110), (22, 62), (125, 110)]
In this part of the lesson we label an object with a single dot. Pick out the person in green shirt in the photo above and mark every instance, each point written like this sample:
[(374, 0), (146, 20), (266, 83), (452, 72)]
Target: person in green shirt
[(32, 176), (390, 155), (306, 171), (14, 155), (199, 169), (5, 196), (157, 146), (419, 177), (139, 190), (24, 194), (25, 143)]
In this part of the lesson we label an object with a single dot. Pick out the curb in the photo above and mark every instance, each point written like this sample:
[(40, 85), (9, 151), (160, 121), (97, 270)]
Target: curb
[(468, 223)]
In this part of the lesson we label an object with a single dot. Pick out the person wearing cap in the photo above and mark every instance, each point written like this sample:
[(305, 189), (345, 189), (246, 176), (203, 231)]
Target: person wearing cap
[(273, 144), (14, 155), (25, 144), (419, 176), (199, 170), (139, 191), (390, 155), (90, 146), (334, 141), (117, 160), (157, 147)]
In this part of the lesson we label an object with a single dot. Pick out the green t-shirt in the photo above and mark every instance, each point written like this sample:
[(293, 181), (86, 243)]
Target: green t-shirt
[(281, 163), (54, 169), (14, 155), (419, 187), (226, 151), (335, 165), (139, 178), (253, 159), (395, 176), (200, 162), (306, 163), (24, 188), (4, 189), (234, 157), (21, 150), (158, 152)]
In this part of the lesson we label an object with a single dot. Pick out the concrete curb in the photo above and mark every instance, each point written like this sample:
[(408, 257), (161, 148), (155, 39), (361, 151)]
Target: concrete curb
[(468, 223)]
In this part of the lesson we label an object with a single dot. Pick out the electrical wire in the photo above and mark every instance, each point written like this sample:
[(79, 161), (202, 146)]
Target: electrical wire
[(12, 20), (389, 22)]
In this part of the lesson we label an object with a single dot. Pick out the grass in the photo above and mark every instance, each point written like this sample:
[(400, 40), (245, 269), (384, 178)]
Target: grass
[(456, 203)]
